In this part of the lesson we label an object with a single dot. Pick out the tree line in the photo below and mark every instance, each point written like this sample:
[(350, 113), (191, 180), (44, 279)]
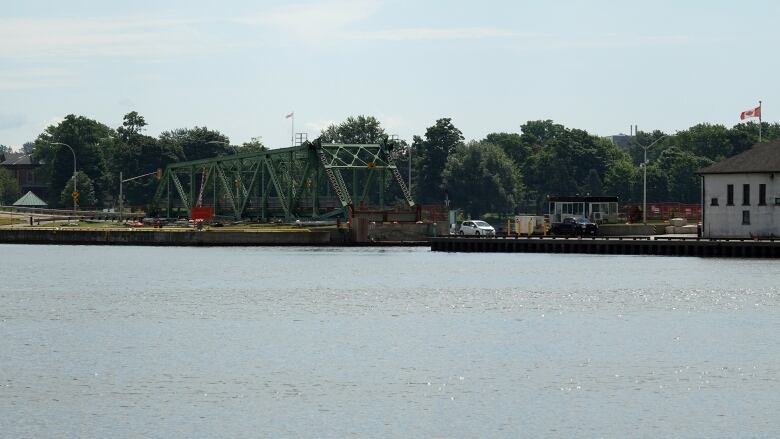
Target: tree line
[(508, 173), (503, 173)]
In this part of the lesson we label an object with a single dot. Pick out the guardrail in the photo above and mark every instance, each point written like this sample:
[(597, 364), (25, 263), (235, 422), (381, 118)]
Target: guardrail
[(69, 213), (617, 238)]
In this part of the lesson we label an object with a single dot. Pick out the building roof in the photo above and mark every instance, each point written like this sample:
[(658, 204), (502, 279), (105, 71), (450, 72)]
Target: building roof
[(30, 200), (762, 158), (17, 158), (621, 140)]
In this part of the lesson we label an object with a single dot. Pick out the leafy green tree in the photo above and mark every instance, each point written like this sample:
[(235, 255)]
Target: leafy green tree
[(195, 143), (680, 168), (705, 140), (481, 178), (133, 153), (593, 185), (89, 140), (28, 147), (657, 184), (620, 181), (565, 161), (441, 139), (5, 150), (132, 124), (354, 130), (85, 188), (254, 145), (512, 144), (541, 132), (9, 188), (655, 138)]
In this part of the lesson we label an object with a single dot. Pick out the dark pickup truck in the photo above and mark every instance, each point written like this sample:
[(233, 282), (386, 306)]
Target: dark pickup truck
[(575, 227)]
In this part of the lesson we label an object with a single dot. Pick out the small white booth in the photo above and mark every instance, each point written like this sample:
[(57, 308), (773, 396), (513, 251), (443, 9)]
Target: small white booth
[(597, 209)]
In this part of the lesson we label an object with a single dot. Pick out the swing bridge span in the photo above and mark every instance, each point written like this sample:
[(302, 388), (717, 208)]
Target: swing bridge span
[(311, 181)]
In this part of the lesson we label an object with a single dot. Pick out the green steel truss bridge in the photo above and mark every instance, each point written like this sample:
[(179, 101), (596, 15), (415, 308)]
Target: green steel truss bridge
[(313, 181)]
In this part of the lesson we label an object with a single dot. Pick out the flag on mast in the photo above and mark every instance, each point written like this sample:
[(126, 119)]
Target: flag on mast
[(289, 115), (756, 112)]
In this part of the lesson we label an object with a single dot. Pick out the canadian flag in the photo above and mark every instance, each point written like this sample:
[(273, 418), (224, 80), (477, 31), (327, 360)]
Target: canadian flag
[(756, 112)]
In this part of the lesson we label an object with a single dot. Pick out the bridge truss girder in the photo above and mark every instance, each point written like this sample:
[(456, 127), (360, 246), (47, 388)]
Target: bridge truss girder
[(300, 182)]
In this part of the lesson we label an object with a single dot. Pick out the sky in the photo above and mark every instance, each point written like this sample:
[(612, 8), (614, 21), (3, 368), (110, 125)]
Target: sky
[(240, 66)]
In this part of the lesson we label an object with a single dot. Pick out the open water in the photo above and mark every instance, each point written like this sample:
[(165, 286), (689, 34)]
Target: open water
[(142, 342)]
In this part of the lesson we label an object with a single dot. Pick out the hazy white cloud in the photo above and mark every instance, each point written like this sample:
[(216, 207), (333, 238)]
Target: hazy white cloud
[(391, 122), (12, 120), (34, 78), (337, 21), (55, 120), (318, 126), (418, 34), (77, 37), (126, 102), (317, 20), (316, 23)]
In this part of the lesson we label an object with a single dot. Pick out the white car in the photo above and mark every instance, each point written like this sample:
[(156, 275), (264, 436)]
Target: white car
[(476, 228)]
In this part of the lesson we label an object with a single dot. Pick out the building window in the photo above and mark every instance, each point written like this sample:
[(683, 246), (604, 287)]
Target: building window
[(746, 195), (745, 217), (762, 195), (730, 195), (714, 201)]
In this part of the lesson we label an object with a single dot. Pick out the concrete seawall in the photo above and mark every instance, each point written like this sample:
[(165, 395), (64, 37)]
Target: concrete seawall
[(168, 237), (613, 246)]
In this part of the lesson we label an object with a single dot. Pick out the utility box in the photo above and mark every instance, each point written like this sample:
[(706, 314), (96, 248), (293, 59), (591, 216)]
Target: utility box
[(529, 224)]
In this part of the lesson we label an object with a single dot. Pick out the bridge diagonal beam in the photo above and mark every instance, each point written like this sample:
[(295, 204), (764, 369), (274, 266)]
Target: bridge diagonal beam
[(336, 180), (255, 173), (272, 173), (180, 190), (400, 180), (228, 190), (301, 186)]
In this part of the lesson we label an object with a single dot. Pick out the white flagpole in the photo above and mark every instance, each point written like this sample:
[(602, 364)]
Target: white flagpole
[(759, 121)]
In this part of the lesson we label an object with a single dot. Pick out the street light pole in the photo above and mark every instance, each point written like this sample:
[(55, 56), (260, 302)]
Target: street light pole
[(75, 187), (644, 179), (410, 169)]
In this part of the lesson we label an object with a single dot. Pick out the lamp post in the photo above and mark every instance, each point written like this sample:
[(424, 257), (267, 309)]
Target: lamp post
[(644, 179), (75, 188), (410, 168)]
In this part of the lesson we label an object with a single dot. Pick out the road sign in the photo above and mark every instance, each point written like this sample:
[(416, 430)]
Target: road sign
[(74, 195)]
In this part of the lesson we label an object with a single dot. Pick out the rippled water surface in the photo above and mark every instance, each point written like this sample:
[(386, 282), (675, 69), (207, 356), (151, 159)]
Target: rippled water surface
[(140, 342)]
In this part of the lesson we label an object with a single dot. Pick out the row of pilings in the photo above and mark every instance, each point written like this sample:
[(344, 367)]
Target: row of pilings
[(612, 246)]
